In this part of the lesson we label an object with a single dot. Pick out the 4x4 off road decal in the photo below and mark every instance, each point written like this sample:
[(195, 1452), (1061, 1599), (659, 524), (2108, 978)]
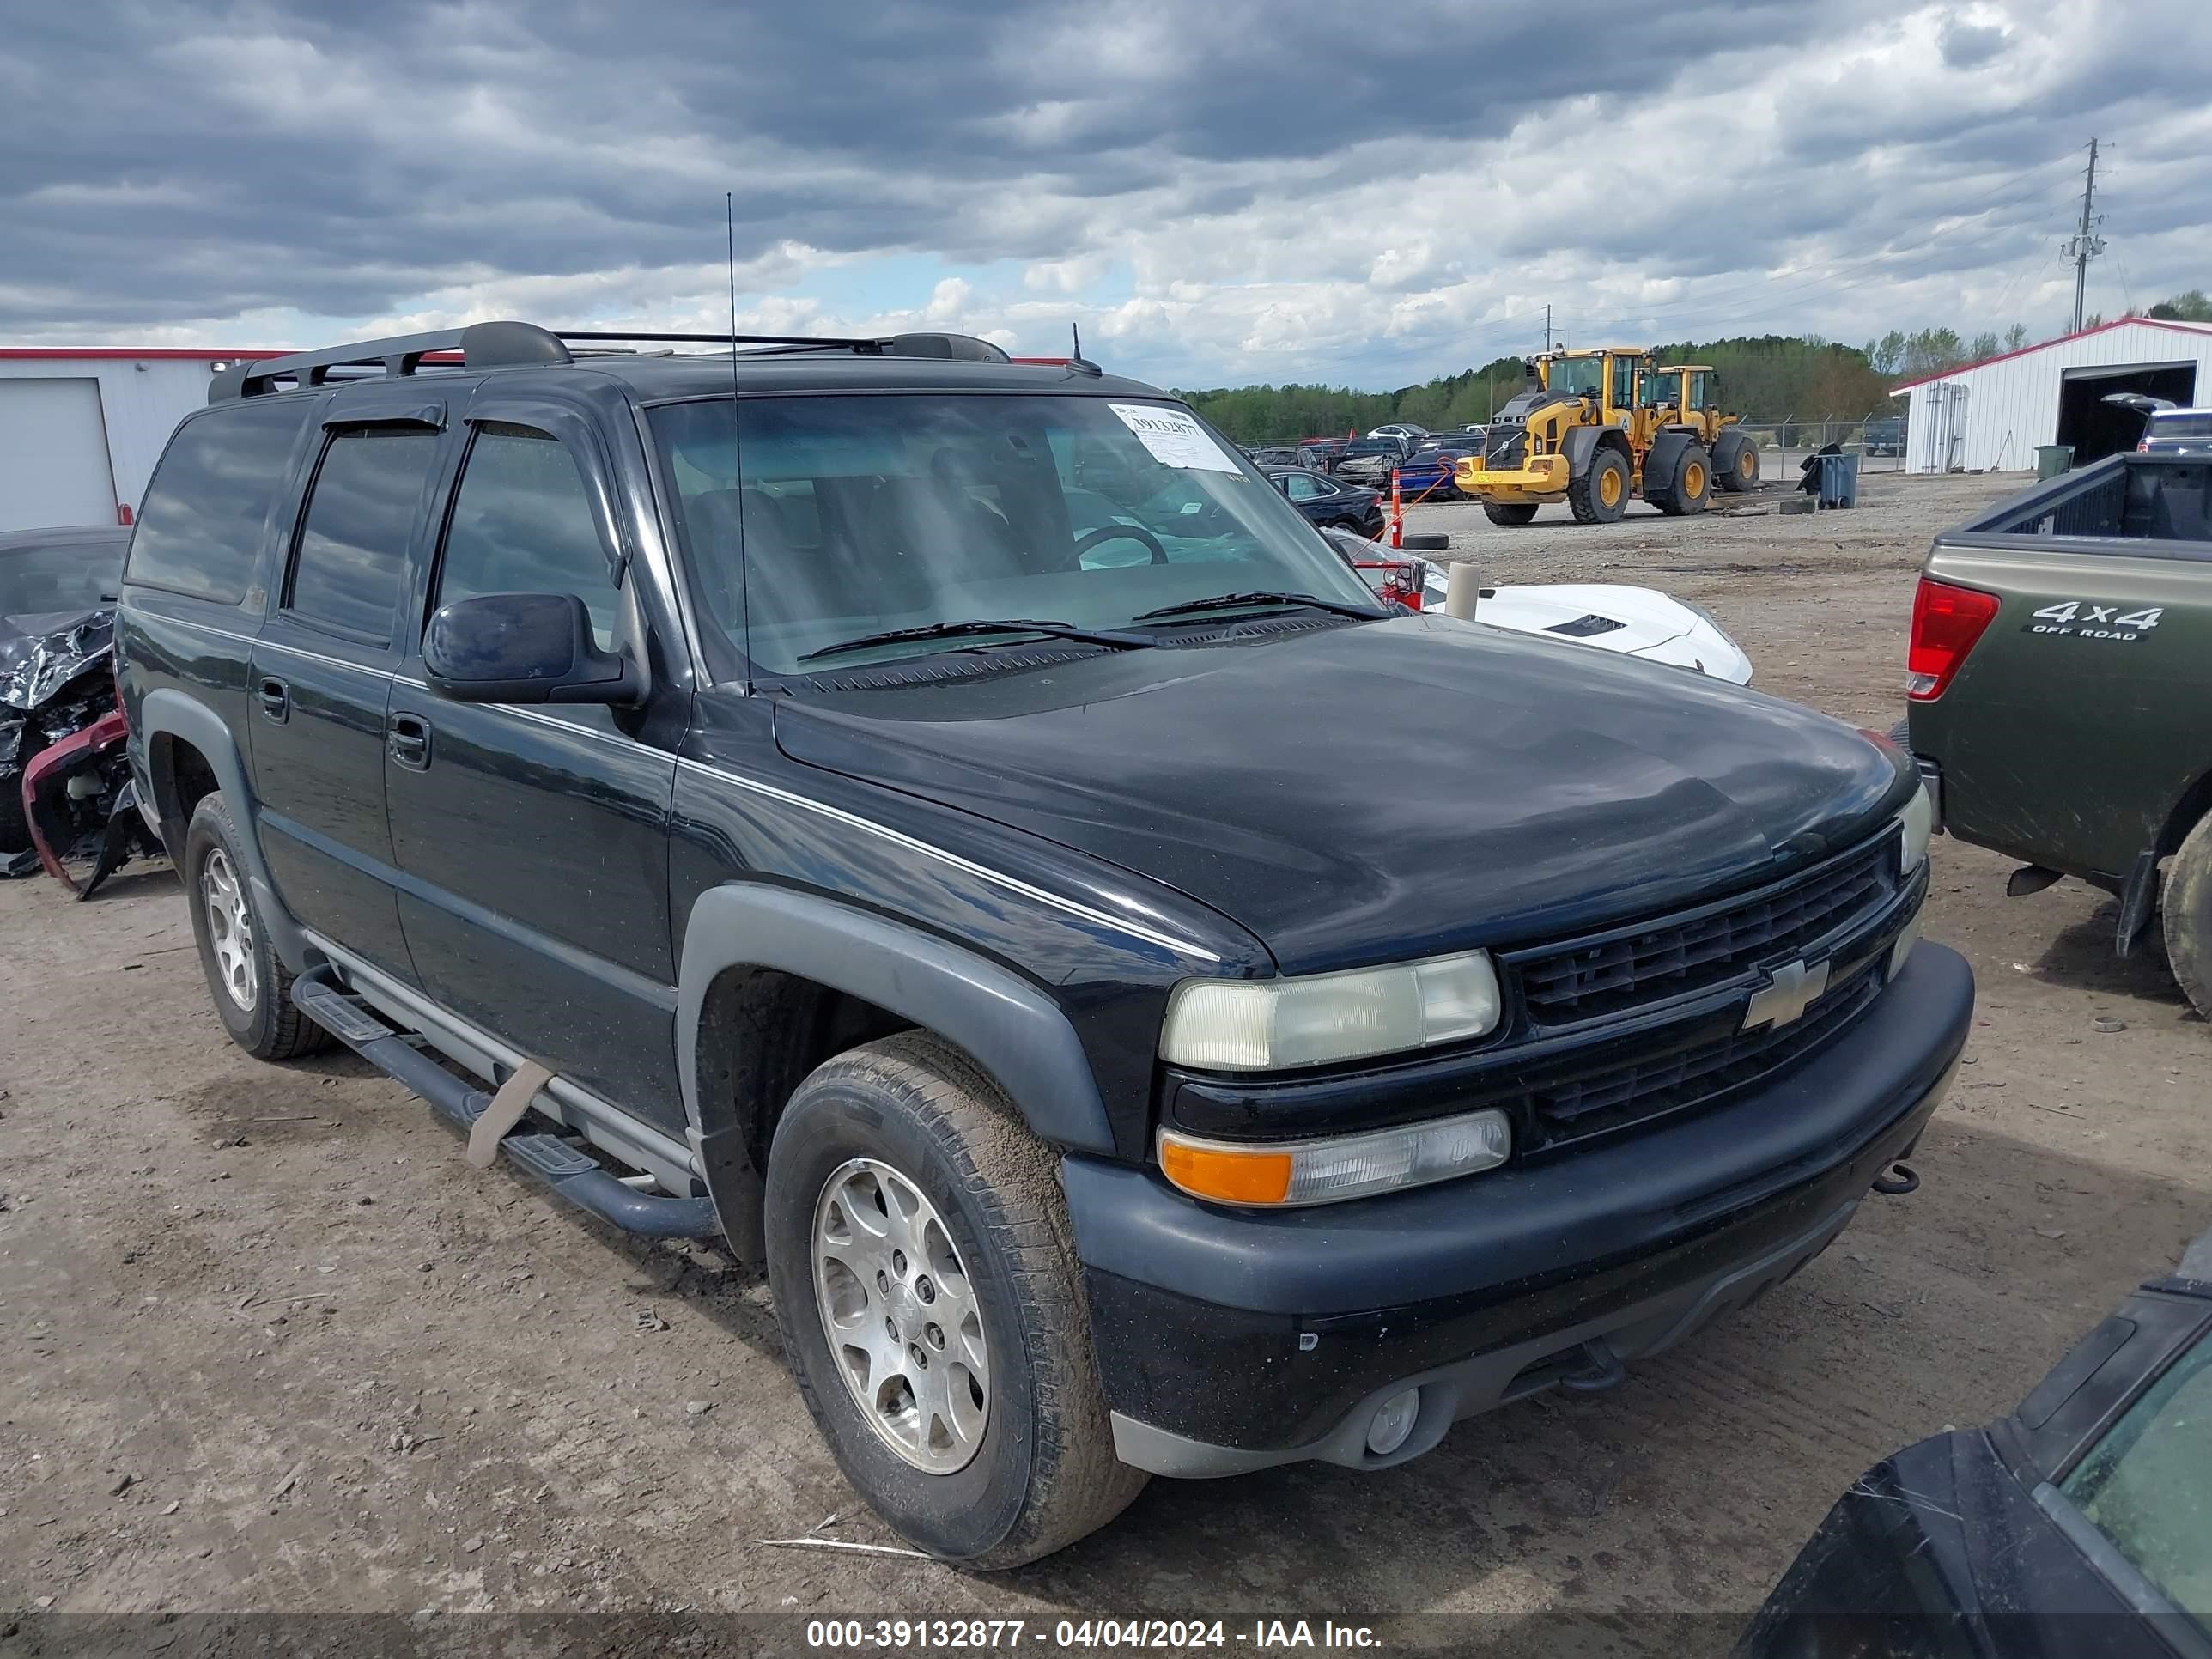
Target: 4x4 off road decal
[(2085, 619)]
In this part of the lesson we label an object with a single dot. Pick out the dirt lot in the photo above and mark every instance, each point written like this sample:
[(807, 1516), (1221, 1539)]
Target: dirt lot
[(340, 1370)]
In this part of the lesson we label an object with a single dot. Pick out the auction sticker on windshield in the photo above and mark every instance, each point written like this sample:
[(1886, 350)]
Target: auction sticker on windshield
[(1174, 437)]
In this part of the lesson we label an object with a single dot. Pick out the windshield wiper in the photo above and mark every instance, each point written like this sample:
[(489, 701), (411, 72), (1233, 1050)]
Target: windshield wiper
[(947, 630), (1225, 601)]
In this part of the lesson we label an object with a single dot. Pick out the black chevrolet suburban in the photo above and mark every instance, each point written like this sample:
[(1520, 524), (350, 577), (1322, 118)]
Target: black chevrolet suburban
[(949, 828)]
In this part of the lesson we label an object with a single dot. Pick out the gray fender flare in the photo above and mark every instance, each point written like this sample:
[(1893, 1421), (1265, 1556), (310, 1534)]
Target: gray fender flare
[(167, 711), (1009, 1027), (1662, 460), (1582, 442)]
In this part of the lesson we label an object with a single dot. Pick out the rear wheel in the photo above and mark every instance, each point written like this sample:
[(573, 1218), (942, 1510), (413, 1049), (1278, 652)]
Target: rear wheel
[(2187, 919), (1601, 494), (1509, 512), (1735, 462), (926, 1285), (250, 986)]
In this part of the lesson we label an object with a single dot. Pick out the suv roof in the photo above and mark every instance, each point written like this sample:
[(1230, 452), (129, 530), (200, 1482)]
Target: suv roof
[(772, 363)]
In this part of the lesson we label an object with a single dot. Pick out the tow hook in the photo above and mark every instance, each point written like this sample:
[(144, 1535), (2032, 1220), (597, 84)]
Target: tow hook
[(1600, 1369), (1902, 1178)]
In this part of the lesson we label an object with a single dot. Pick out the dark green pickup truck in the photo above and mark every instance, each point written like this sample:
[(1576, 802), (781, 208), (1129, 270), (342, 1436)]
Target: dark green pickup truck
[(2061, 691)]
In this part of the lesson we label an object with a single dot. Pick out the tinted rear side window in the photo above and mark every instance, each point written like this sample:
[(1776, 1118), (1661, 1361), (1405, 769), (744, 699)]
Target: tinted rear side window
[(353, 547), (199, 528)]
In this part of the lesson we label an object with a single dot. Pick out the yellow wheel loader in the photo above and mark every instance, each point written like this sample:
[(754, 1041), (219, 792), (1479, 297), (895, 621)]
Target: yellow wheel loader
[(1683, 395), (1600, 428)]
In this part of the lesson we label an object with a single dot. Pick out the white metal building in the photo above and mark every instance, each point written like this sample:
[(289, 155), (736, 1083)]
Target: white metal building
[(1991, 416), (81, 427)]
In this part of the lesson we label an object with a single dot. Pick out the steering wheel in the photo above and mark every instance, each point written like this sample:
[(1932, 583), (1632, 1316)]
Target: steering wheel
[(1115, 531)]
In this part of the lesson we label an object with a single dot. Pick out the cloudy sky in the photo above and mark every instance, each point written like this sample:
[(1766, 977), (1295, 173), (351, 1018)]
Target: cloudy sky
[(1236, 191)]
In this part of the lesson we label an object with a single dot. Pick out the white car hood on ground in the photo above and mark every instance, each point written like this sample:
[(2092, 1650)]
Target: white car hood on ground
[(1650, 625)]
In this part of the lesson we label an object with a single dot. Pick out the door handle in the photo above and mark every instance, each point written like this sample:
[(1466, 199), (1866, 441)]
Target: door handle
[(408, 740), (275, 699)]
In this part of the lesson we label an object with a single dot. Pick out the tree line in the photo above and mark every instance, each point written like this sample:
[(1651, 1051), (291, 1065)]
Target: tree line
[(1770, 377), (1933, 350)]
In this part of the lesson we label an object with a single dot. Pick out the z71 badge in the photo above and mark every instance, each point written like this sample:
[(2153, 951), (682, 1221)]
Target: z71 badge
[(2085, 619)]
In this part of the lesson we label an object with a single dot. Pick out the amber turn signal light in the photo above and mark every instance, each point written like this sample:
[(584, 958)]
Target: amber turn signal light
[(1226, 1176)]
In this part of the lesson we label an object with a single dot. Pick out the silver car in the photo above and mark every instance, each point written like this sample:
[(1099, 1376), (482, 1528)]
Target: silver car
[(2177, 432)]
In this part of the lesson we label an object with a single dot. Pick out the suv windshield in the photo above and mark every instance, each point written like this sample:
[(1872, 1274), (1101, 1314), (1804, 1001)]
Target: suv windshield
[(860, 515), (2186, 423)]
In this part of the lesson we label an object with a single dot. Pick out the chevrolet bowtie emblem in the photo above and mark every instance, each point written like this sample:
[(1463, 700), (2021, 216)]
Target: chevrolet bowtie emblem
[(1787, 995)]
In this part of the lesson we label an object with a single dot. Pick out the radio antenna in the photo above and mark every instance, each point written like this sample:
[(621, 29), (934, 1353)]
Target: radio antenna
[(1077, 363), (737, 467)]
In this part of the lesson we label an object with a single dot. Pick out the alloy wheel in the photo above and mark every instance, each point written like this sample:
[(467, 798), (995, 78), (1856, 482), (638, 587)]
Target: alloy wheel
[(230, 929), (900, 1316)]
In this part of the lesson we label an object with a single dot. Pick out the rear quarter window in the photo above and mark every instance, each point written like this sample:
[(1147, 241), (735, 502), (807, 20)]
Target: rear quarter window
[(200, 525)]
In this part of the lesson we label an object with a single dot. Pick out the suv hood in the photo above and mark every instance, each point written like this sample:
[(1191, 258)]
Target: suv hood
[(1382, 791)]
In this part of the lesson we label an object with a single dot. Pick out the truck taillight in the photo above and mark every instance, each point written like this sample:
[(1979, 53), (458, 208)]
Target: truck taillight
[(1946, 622)]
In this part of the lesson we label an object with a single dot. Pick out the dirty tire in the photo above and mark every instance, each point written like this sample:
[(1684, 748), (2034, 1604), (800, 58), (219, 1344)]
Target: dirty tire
[(1044, 1473), (1692, 488), (2187, 920), (272, 1029), (1735, 462), (1901, 734), (1592, 498), (15, 824), (1508, 513), (1426, 543)]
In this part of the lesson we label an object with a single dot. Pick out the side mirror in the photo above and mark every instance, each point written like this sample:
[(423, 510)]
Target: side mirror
[(523, 648)]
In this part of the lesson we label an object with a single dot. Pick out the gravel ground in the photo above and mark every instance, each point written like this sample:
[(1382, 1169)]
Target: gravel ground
[(267, 1344)]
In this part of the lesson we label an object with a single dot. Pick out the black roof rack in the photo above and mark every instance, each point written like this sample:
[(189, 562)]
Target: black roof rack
[(511, 345)]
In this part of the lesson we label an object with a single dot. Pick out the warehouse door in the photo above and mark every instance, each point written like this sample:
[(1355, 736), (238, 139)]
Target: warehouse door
[(2096, 429), (53, 454)]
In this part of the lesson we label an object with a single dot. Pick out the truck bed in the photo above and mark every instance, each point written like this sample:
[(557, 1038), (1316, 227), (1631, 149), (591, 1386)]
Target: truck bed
[(2077, 733), (2148, 506)]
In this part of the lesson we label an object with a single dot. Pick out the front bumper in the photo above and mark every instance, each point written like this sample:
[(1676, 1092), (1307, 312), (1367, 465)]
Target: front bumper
[(1542, 475), (1232, 1340)]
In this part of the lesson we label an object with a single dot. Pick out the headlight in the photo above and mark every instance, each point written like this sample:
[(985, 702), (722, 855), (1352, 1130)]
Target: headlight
[(1917, 820), (1339, 1167), (1268, 1024)]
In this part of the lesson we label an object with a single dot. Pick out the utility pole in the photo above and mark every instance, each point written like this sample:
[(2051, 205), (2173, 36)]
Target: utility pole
[(1547, 328), (2086, 245)]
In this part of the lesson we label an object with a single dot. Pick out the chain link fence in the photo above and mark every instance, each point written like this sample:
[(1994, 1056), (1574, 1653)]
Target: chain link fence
[(1878, 442)]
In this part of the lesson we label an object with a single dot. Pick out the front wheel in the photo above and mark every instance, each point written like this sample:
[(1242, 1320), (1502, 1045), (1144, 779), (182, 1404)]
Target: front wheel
[(1692, 485), (926, 1285), (2187, 920), (1509, 512), (1601, 494)]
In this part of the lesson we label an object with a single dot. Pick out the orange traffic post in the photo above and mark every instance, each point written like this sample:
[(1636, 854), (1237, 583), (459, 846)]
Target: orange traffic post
[(1397, 512)]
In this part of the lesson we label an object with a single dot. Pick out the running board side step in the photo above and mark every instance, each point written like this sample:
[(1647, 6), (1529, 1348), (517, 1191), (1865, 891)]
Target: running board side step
[(545, 1159)]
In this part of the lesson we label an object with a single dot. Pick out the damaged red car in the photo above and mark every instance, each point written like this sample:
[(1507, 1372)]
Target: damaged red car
[(67, 803)]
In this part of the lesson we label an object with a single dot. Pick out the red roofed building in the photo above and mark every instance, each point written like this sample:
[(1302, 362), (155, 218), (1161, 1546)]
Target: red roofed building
[(1991, 416), (81, 427)]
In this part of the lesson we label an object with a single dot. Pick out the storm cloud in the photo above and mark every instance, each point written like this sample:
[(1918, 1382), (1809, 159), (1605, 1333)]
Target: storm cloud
[(1232, 190)]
